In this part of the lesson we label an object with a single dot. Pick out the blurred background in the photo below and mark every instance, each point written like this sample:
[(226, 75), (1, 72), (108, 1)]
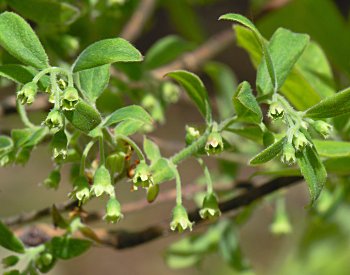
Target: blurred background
[(314, 246)]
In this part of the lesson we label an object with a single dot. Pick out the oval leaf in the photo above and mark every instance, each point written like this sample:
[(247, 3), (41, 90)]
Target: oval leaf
[(9, 241), (18, 38), (267, 57), (313, 171), (84, 117), (93, 82), (132, 112), (335, 105), (106, 51), (151, 150), (195, 89), (66, 248), (332, 149), (269, 153), (246, 106)]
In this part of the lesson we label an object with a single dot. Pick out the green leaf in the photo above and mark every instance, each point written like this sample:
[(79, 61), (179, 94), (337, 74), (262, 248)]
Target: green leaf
[(322, 20), (28, 137), (45, 12), (267, 57), (6, 144), (335, 105), (9, 241), (230, 249), (165, 50), (285, 48), (67, 248), (195, 89), (17, 73), (106, 51), (129, 127), (311, 74), (151, 150), (269, 153), (93, 82), (132, 112), (246, 106), (313, 171), (162, 171), (338, 166), (225, 82), (18, 38), (84, 117), (331, 148)]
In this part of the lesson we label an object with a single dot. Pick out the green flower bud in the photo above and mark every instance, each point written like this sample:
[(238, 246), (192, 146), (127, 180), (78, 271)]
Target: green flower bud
[(62, 84), (54, 120), (192, 134), (214, 144), (171, 92), (10, 261), (53, 179), (210, 208), (46, 258), (143, 177), (322, 128), (27, 94), (180, 221), (70, 99), (300, 141), (113, 211), (288, 155), (281, 224), (102, 182), (81, 189), (59, 145), (276, 111), (152, 193)]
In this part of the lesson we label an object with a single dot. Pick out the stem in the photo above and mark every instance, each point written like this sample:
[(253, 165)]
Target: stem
[(23, 115), (178, 188), (206, 175), (132, 144), (102, 150), (227, 122), (84, 156), (192, 149), (55, 89), (56, 70)]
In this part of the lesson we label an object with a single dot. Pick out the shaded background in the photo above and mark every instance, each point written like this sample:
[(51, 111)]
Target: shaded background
[(19, 189)]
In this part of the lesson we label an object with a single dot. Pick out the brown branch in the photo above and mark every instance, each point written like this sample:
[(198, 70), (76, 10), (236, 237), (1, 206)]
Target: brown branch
[(193, 61), (122, 239), (133, 28)]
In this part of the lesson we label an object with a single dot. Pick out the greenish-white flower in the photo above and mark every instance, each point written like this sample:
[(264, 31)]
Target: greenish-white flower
[(210, 207), (27, 94), (102, 182), (113, 211), (180, 221)]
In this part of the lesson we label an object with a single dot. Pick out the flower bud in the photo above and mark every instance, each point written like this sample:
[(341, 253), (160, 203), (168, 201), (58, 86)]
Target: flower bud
[(180, 221), (59, 145), (27, 94), (70, 99), (276, 111), (113, 211), (281, 224), (214, 144), (288, 155), (152, 193), (142, 177), (81, 189), (54, 120), (102, 182), (61, 84), (300, 141), (46, 258), (210, 207), (192, 134), (171, 92), (53, 179), (322, 128)]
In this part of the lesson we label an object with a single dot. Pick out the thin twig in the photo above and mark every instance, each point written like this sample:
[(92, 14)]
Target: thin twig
[(134, 27)]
